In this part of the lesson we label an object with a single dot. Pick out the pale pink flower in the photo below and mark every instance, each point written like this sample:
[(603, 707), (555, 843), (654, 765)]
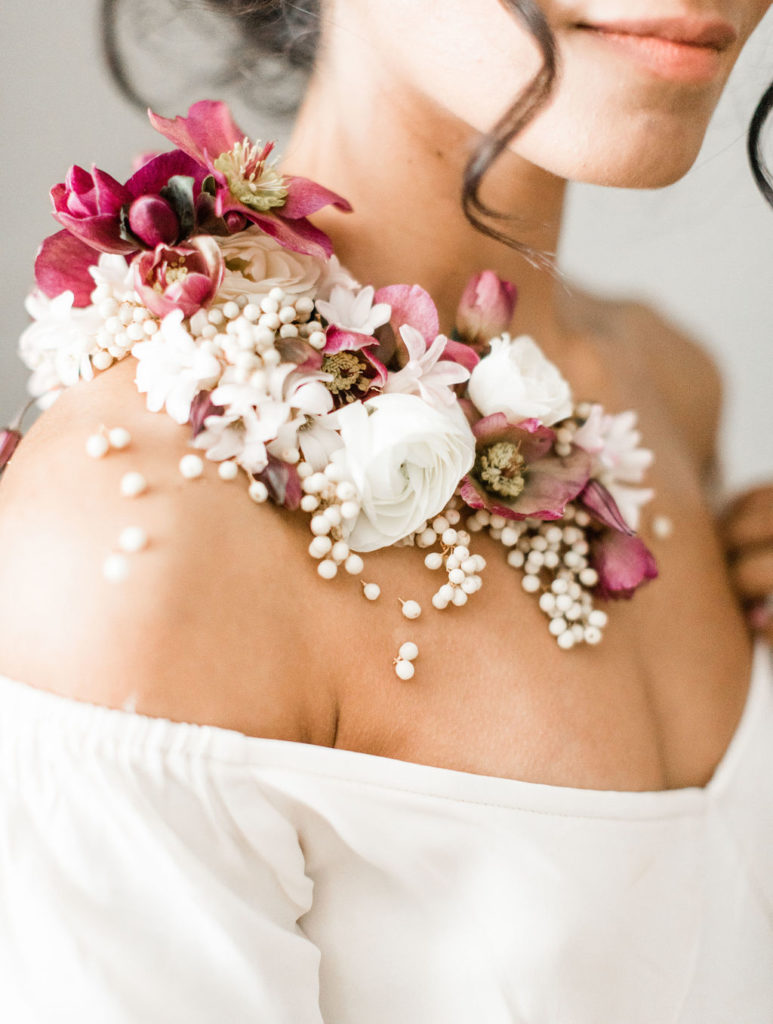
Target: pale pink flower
[(425, 373)]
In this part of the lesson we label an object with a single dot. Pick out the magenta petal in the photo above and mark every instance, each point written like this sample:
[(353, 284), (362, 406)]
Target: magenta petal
[(603, 507), (155, 174), (346, 341), (462, 354), (411, 305), (204, 134), (298, 235), (102, 232), (9, 442), (622, 562), (62, 264), (110, 194), (153, 221), (305, 197)]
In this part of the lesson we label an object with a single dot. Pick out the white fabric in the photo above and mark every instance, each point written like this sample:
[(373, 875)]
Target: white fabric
[(165, 873)]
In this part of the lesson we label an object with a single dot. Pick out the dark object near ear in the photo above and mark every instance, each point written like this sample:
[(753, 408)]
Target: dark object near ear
[(760, 170)]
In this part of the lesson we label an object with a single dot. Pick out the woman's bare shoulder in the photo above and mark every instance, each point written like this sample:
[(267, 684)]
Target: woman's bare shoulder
[(208, 625)]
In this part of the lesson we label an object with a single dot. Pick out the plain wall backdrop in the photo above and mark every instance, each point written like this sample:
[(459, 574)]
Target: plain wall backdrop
[(701, 251)]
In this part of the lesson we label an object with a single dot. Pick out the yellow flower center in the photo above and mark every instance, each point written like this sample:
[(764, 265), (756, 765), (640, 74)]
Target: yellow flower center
[(500, 469), (251, 179)]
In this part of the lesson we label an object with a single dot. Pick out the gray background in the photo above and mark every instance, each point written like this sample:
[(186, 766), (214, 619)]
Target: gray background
[(701, 251)]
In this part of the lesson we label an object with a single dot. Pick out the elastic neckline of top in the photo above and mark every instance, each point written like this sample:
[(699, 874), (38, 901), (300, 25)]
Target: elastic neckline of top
[(113, 730)]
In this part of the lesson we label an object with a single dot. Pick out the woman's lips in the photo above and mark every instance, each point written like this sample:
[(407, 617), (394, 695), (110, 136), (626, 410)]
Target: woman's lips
[(681, 49)]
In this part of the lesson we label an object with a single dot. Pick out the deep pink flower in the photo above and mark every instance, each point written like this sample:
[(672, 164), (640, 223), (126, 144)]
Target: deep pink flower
[(357, 373), (486, 308), (89, 206), (248, 188), (184, 277), (623, 563), (413, 306), (515, 473)]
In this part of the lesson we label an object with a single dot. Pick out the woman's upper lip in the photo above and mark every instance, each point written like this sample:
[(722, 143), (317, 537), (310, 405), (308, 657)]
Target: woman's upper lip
[(714, 33)]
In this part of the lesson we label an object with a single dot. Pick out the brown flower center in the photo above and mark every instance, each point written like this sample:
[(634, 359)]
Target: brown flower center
[(499, 467), (348, 372)]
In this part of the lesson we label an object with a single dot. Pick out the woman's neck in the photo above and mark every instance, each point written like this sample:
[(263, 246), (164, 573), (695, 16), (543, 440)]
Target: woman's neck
[(400, 160)]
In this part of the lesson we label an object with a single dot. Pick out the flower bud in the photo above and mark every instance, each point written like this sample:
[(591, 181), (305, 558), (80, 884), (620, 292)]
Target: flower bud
[(9, 442), (153, 221), (486, 308)]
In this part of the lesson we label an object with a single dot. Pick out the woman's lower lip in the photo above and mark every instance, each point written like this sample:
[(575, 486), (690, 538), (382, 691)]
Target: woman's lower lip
[(682, 62)]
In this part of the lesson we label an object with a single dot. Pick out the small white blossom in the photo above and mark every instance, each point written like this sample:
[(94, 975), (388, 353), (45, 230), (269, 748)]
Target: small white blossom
[(240, 437), (172, 368), (619, 462), (59, 343), (354, 310), (333, 274), (425, 373)]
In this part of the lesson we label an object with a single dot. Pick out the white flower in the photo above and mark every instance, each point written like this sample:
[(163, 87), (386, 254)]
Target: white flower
[(425, 373), (230, 436), (618, 462), (172, 368), (59, 343), (334, 274), (354, 310), (114, 272), (256, 263), (405, 458), (517, 379)]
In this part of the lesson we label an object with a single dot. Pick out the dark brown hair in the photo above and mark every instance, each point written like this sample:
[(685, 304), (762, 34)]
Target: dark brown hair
[(290, 30)]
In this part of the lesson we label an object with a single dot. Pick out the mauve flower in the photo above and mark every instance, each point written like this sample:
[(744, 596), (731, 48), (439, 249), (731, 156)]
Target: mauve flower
[(413, 306), (354, 371), (515, 474), (622, 562), (486, 308), (184, 277), (248, 186)]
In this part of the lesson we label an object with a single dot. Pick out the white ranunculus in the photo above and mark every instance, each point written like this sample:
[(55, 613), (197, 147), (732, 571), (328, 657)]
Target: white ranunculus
[(256, 263), (405, 458), (516, 379)]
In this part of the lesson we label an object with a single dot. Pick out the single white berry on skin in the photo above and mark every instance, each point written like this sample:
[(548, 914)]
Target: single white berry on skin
[(354, 565), (97, 446), (404, 669), (191, 466), (662, 527), (258, 491), (119, 438), (409, 651), (115, 568), (372, 591), (411, 609), (132, 538), (228, 470), (327, 569), (133, 484)]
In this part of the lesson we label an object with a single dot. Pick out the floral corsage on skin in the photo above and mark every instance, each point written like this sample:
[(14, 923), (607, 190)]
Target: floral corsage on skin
[(332, 398)]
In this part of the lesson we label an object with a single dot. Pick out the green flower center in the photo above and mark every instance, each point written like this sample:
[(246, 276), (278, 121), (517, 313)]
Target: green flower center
[(499, 467), (348, 373), (252, 180)]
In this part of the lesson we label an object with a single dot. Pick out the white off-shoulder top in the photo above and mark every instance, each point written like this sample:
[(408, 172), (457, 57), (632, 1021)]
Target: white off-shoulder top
[(154, 872)]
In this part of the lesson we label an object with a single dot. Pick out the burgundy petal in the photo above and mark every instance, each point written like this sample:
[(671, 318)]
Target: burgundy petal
[(298, 235), (154, 175), (201, 407), (411, 305), (9, 442), (622, 562), (603, 507), (305, 197), (110, 194), (62, 264), (551, 483), (204, 134), (100, 232), (283, 483)]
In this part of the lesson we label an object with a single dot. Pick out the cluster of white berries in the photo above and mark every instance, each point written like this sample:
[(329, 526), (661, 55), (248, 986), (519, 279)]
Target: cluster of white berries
[(124, 321), (554, 559), (334, 504), (245, 333), (462, 568)]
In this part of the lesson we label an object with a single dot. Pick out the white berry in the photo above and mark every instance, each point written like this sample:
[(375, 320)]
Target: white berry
[(132, 538), (354, 565), (433, 560), (327, 569), (132, 484), (409, 651), (404, 669), (228, 470), (258, 491), (119, 437), (192, 466), (411, 609), (372, 591), (97, 446), (115, 568)]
